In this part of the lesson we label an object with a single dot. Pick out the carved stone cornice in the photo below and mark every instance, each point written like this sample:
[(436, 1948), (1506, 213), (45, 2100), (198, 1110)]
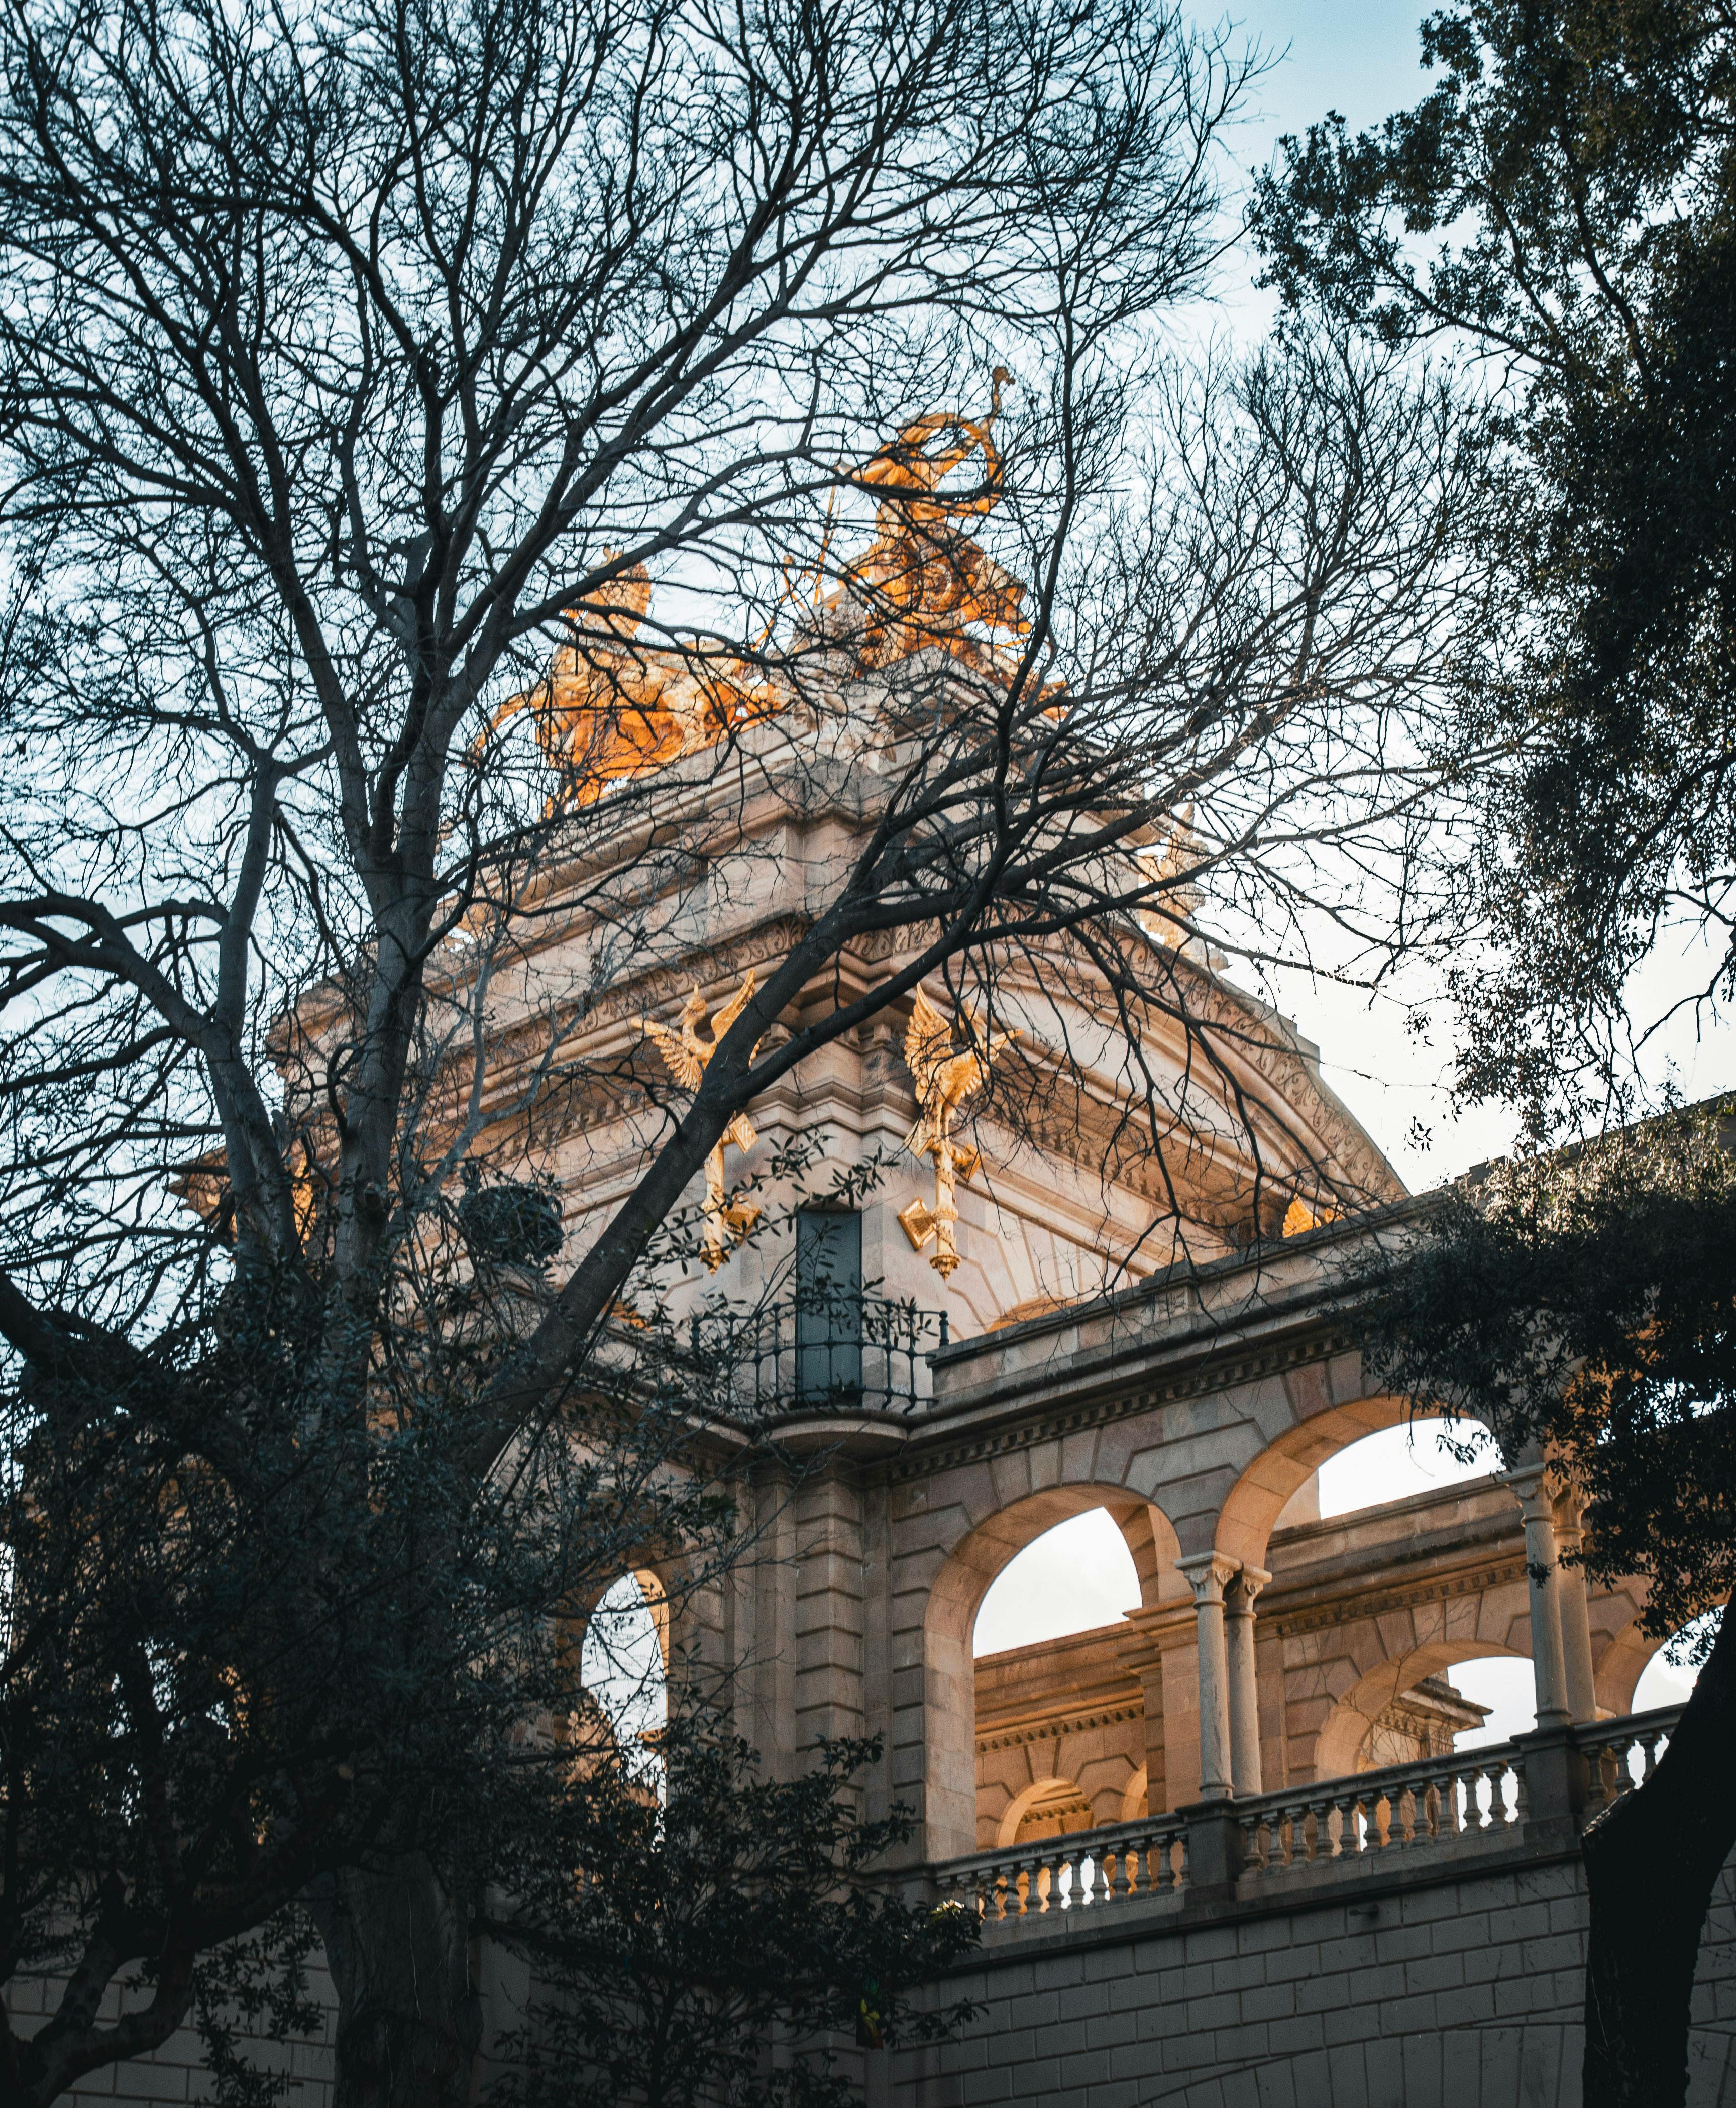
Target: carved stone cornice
[(1053, 1729), (926, 1460), (1369, 1603)]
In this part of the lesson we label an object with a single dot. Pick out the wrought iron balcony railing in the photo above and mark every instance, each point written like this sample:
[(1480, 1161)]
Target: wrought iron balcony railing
[(824, 1351)]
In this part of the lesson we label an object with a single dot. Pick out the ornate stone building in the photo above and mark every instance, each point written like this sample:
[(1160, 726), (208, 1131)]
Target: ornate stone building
[(1224, 1847)]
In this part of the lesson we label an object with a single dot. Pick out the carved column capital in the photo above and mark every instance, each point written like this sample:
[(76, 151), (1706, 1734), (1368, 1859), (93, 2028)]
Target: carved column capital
[(1243, 1590), (1207, 1572), (1528, 1486)]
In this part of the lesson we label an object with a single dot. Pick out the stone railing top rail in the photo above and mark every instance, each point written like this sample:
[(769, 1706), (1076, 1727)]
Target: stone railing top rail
[(1628, 1727)]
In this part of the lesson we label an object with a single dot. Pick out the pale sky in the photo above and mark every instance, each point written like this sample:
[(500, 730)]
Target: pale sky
[(1362, 60)]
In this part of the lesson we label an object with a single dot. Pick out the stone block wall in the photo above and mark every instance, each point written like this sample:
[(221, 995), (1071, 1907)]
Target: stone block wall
[(176, 2073), (1449, 1993), (1445, 1992)]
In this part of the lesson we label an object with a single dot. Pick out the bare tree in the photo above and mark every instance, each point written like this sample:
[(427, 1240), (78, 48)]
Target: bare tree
[(452, 491)]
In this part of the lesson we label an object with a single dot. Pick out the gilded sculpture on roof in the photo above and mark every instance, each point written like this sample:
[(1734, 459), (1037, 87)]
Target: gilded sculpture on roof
[(614, 705)]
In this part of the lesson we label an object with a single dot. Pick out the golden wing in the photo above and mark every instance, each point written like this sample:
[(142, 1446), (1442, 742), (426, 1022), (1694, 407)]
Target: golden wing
[(958, 1078), (686, 1067), (725, 1018), (928, 1044)]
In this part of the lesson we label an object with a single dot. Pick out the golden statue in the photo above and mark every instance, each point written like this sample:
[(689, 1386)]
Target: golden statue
[(685, 1056), (613, 707), (923, 576), (945, 1076)]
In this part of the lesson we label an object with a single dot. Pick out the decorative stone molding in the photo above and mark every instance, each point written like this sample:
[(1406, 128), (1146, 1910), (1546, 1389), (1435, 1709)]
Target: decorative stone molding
[(929, 1462), (1371, 1603), (1056, 1728)]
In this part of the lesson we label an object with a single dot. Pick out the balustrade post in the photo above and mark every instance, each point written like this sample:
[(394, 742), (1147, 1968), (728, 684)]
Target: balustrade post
[(1239, 1597), (1214, 1850), (1206, 1573)]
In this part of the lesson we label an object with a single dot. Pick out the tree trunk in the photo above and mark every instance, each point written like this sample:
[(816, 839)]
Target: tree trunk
[(408, 2018), (1651, 1865)]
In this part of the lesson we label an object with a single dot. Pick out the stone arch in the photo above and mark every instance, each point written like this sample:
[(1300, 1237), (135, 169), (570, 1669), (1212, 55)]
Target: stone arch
[(1618, 1665), (1054, 1790), (971, 1562), (1263, 1492), (1133, 1799), (1618, 1669), (1346, 1726)]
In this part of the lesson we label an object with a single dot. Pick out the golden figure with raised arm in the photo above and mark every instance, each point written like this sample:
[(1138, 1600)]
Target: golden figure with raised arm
[(686, 1057), (945, 1075)]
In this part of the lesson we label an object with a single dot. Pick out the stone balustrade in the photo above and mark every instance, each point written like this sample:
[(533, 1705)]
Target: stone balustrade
[(1622, 1754), (1436, 1804), (1463, 1803), (1088, 1870)]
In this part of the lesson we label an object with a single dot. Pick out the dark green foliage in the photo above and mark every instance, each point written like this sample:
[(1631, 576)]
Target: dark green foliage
[(723, 1940), (1585, 1305), (263, 1635), (1563, 205)]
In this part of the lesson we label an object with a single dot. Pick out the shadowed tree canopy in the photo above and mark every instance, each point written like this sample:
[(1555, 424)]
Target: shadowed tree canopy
[(1584, 1306), (1559, 206), (719, 1911)]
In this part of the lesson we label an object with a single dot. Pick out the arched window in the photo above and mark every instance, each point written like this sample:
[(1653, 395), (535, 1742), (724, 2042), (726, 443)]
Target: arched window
[(1412, 1458), (1663, 1681), (1507, 1684)]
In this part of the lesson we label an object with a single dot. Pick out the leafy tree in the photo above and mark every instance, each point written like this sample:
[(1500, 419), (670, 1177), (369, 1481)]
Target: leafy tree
[(724, 1936), (1561, 206), (374, 379), (258, 1652), (1583, 1305)]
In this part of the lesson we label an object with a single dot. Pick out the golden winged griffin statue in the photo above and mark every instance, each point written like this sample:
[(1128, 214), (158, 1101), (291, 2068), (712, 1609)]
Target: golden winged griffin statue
[(946, 1075), (685, 1056)]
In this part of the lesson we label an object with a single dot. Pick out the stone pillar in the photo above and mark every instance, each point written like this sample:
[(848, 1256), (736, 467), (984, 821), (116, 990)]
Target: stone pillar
[(1206, 1573), (1159, 1650), (1549, 1660), (1575, 1607), (1244, 1688)]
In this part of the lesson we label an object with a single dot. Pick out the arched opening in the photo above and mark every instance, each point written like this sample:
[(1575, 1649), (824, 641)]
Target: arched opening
[(1282, 1483), (1427, 1702), (624, 1658), (1077, 1577), (1674, 1668), (1030, 1687), (1047, 1807), (1417, 1455)]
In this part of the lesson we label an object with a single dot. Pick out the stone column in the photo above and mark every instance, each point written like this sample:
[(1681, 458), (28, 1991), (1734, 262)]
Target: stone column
[(1575, 1607), (1244, 1689), (1549, 1660), (1159, 1649), (1206, 1573)]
